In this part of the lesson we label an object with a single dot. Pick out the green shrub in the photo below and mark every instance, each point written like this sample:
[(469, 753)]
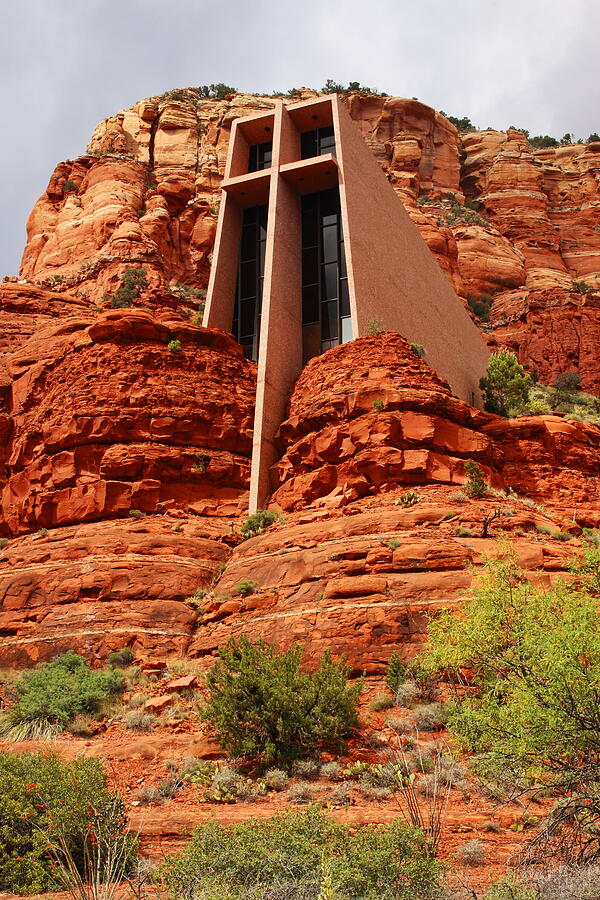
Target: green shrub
[(261, 704), (44, 801), (69, 187), (202, 462), (3, 543), (49, 696), (419, 349), (245, 588), (259, 522), (395, 673), (481, 305), (505, 386), (215, 91), (299, 852), (174, 346), (374, 327), (462, 531), (533, 658), (121, 659), (381, 701), (133, 282), (136, 514), (378, 404), (569, 382), (476, 485)]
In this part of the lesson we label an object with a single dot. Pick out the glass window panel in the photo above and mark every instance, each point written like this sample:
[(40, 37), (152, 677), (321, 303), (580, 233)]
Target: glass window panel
[(253, 159), (329, 320), (248, 245), (346, 323), (248, 309), (310, 304), (330, 244), (308, 144), (344, 297), (248, 279), (265, 154), (329, 202), (310, 266), (250, 215), (327, 345), (329, 279)]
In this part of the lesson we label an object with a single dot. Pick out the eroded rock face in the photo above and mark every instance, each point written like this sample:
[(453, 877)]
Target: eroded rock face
[(104, 418), (146, 194), (371, 414), (106, 585), (363, 581)]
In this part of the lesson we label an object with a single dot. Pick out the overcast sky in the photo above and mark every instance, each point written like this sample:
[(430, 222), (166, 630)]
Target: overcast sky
[(67, 64)]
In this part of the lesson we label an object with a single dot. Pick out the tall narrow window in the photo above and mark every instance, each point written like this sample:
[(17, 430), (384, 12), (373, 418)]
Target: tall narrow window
[(317, 142), (325, 299), (260, 156), (251, 269)]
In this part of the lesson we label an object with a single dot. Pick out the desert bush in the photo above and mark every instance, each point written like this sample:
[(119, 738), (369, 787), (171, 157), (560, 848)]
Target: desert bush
[(407, 499), (399, 724), (138, 720), (341, 794), (121, 659), (533, 657), (395, 672), (330, 770), (569, 382), (462, 531), (259, 522), (46, 805), (506, 385), (381, 701), (133, 282), (429, 716), (174, 346), (245, 588), (276, 779), (150, 795), (299, 849), (51, 695), (476, 485), (471, 853), (407, 694), (262, 705), (302, 792), (306, 768)]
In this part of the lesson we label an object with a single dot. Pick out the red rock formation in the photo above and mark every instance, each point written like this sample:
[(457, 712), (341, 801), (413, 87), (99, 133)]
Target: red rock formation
[(106, 585), (370, 415), (146, 194), (105, 418)]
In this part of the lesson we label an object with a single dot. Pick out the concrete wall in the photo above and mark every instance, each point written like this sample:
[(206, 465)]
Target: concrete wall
[(392, 275)]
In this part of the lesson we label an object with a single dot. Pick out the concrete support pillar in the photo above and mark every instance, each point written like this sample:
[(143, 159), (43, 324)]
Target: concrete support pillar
[(280, 349)]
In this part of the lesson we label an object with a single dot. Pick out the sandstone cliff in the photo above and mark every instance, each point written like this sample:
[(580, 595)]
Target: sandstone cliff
[(146, 193)]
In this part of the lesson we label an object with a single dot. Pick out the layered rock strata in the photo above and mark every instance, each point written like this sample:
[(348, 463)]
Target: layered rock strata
[(122, 412), (146, 194)]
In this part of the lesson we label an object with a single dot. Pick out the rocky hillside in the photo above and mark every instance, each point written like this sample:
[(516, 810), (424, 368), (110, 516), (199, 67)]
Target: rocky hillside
[(502, 219)]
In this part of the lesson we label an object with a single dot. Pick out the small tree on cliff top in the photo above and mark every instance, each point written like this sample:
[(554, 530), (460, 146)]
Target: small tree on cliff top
[(506, 385), (262, 705)]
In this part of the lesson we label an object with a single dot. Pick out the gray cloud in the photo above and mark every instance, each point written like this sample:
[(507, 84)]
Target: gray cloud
[(66, 64)]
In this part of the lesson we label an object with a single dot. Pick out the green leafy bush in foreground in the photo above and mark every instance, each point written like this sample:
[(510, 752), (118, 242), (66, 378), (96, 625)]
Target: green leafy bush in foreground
[(49, 696), (262, 705), (44, 803), (533, 661), (304, 855)]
